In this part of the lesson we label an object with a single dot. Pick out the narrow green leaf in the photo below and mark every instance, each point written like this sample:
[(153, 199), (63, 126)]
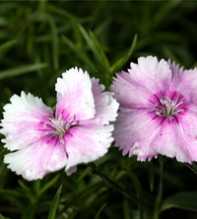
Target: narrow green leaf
[(3, 21), (55, 43), (7, 45), (10, 193), (165, 10), (126, 209), (122, 61), (27, 191), (78, 52), (49, 184), (54, 204), (97, 216), (99, 52), (95, 47), (182, 200), (21, 70), (109, 182), (192, 167), (2, 217)]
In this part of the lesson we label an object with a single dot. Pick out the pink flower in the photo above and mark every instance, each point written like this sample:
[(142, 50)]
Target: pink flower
[(77, 131), (158, 110)]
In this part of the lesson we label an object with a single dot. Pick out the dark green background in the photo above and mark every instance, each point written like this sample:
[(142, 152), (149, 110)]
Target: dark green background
[(41, 39)]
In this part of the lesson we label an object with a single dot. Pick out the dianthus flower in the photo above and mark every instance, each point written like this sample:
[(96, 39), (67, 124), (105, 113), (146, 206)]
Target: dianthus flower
[(44, 140), (158, 110)]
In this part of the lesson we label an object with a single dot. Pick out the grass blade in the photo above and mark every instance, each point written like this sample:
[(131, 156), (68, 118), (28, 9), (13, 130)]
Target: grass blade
[(122, 61), (21, 70), (54, 204)]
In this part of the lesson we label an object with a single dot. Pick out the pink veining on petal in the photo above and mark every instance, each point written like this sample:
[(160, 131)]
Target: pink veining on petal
[(56, 131), (165, 120), (168, 106), (78, 130)]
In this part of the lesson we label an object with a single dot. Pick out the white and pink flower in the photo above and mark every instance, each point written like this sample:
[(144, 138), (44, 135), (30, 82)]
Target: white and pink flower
[(158, 110), (44, 140)]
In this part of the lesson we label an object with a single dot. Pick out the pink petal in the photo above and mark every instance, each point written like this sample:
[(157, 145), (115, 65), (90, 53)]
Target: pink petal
[(129, 93), (177, 72), (154, 74), (74, 95), (188, 134), (170, 143), (188, 85), (134, 133), (106, 106), (21, 118)]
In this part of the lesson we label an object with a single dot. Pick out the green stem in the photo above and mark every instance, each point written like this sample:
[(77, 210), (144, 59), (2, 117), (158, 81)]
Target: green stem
[(160, 190), (29, 213), (110, 183), (113, 185), (193, 169)]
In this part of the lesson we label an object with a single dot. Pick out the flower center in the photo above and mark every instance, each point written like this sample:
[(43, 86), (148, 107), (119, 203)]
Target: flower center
[(59, 127), (168, 105)]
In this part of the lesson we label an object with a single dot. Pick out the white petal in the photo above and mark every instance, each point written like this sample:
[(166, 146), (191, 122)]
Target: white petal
[(88, 143), (74, 94), (21, 118), (36, 161)]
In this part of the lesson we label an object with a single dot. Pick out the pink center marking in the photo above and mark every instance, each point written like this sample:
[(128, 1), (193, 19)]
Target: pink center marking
[(57, 129), (168, 106)]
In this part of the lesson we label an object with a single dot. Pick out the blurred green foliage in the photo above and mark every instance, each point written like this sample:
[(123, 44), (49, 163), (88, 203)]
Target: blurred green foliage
[(41, 39)]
